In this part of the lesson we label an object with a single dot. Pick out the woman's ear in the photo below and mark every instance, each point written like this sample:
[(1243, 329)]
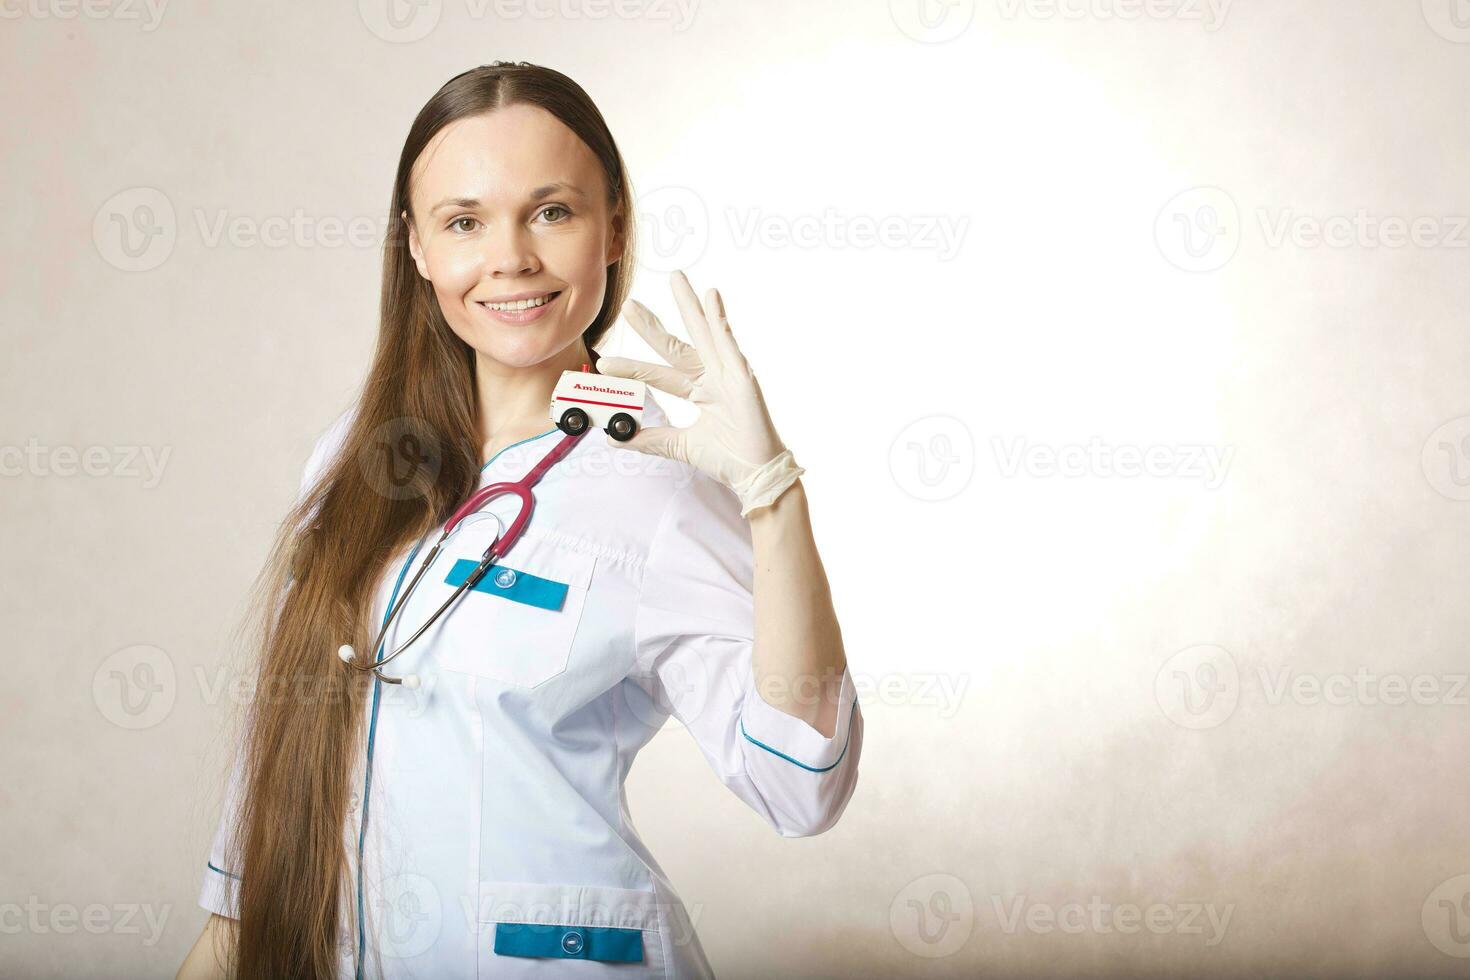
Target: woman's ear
[(618, 240), (414, 248)]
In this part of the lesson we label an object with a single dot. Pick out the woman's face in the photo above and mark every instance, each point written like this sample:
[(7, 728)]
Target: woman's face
[(508, 206)]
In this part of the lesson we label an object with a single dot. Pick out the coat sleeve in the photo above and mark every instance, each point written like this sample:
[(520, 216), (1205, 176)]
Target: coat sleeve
[(220, 879), (694, 636)]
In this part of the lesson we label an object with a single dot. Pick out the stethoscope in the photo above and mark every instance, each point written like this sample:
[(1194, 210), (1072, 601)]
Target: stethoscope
[(497, 550)]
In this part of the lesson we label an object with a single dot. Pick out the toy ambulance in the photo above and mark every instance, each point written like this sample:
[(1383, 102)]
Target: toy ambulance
[(581, 399)]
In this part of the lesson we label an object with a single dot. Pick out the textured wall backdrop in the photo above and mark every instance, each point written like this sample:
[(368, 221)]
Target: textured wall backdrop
[(1125, 344)]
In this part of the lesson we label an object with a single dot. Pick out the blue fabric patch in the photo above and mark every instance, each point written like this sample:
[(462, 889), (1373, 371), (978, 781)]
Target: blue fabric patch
[(569, 942), (510, 583)]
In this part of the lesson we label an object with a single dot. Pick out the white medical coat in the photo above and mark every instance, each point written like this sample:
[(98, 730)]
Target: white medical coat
[(494, 828)]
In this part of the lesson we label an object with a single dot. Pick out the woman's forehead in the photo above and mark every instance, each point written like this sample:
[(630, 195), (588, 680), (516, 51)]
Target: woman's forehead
[(501, 157)]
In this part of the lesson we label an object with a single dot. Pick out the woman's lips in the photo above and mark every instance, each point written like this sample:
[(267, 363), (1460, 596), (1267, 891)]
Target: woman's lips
[(523, 316)]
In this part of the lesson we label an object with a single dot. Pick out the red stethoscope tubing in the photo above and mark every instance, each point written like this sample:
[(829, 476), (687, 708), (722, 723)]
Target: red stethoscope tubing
[(500, 547)]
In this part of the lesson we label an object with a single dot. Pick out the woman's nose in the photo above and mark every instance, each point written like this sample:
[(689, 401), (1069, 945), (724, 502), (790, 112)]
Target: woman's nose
[(509, 252)]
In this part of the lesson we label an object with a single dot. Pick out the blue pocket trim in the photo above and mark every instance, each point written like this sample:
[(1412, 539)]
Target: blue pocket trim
[(511, 583), (569, 942)]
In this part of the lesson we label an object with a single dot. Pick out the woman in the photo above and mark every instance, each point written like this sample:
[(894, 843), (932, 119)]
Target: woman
[(476, 823)]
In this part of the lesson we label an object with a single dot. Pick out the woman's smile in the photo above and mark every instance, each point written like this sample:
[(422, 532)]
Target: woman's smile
[(521, 307)]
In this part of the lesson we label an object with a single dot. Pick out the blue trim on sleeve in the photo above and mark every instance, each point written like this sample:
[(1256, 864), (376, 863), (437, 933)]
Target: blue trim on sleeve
[(510, 583), (222, 871), (795, 762), (601, 943)]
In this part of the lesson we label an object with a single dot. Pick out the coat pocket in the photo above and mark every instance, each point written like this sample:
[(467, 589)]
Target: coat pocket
[(556, 923), (518, 624)]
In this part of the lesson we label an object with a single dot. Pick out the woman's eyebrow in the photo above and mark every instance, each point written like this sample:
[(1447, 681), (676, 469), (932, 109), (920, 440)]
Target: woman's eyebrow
[(540, 192)]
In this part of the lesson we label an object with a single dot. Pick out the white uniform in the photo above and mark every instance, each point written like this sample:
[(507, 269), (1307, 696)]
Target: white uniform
[(495, 833)]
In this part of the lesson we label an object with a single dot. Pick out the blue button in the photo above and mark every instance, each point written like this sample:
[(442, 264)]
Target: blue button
[(572, 942), (505, 577)]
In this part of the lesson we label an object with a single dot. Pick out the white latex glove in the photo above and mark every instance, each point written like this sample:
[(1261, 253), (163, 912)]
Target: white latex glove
[(733, 439)]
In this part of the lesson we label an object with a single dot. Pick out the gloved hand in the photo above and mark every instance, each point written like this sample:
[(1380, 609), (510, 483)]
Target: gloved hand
[(733, 439)]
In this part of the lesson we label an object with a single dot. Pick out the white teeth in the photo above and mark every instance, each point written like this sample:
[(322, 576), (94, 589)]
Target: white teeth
[(520, 304)]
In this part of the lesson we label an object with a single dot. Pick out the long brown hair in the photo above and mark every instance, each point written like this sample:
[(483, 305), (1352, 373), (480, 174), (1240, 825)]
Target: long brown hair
[(316, 590)]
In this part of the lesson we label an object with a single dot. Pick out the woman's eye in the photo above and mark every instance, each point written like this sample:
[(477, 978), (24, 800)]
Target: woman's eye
[(555, 208), (458, 224)]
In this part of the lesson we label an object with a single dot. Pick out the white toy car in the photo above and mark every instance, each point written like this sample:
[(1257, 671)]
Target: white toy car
[(581, 399)]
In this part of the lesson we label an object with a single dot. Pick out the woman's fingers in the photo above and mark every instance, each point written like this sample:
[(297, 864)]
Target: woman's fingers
[(672, 380), (724, 337), (659, 440), (693, 315), (681, 355)]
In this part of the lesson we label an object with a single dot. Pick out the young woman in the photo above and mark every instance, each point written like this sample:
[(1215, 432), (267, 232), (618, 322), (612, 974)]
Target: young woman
[(476, 824)]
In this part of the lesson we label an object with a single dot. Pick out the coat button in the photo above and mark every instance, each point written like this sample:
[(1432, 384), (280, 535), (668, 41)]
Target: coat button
[(353, 801), (572, 942), (505, 577)]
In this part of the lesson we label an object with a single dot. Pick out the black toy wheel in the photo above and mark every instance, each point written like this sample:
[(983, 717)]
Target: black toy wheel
[(573, 422), (622, 427)]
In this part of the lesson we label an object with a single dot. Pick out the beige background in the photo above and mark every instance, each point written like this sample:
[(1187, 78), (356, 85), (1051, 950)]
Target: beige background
[(1084, 690)]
